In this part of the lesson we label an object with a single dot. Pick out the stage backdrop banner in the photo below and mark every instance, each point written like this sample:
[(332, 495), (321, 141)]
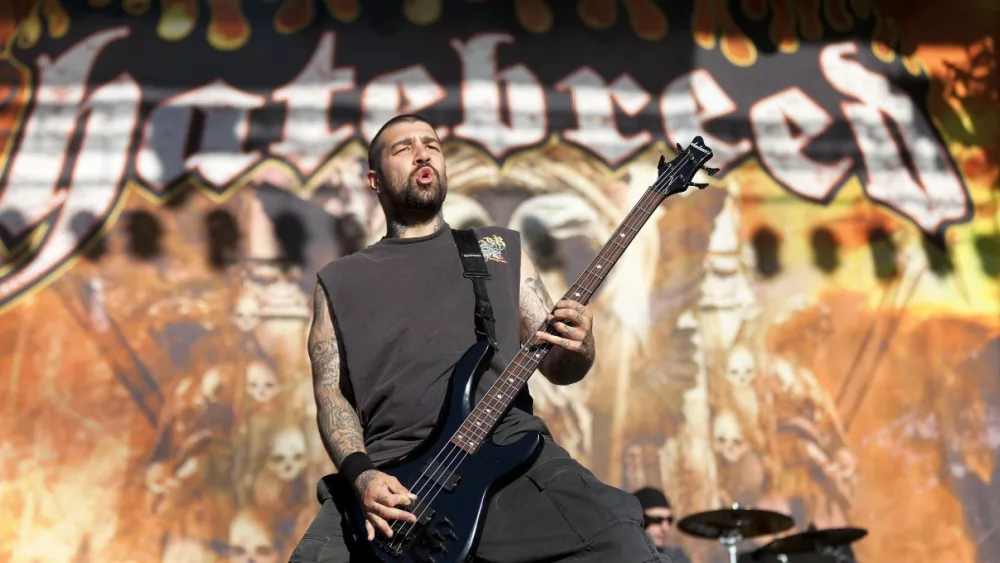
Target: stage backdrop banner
[(817, 332)]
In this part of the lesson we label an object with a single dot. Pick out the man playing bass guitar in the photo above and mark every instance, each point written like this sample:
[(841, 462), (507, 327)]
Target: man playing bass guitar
[(391, 322)]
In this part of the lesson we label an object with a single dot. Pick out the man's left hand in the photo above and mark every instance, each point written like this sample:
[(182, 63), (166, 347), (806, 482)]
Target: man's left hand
[(572, 321)]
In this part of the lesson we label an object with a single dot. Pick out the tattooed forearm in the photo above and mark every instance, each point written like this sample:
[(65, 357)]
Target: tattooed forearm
[(560, 366), (535, 305), (338, 424)]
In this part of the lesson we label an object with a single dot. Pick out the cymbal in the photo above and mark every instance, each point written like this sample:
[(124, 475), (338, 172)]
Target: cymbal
[(747, 522), (811, 540)]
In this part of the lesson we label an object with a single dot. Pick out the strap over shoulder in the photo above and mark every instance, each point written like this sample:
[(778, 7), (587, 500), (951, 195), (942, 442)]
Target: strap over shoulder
[(475, 269)]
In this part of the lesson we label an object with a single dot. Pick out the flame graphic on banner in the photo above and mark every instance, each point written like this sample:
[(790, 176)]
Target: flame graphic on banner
[(712, 17), (792, 21), (647, 20), (712, 22), (228, 28)]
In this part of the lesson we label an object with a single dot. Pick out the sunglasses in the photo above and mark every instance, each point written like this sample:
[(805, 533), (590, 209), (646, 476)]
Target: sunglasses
[(650, 520)]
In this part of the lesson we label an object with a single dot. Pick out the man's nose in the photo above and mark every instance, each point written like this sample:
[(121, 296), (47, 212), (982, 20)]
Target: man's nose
[(421, 154)]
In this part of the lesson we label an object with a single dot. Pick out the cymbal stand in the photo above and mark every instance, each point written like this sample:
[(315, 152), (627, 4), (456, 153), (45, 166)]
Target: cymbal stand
[(729, 541)]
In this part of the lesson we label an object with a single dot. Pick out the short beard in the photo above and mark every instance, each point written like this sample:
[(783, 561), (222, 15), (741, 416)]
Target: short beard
[(409, 207)]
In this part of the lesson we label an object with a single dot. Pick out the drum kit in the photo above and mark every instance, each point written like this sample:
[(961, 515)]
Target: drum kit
[(730, 526)]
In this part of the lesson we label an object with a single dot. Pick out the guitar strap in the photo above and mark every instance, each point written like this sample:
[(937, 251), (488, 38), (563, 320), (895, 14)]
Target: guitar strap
[(475, 269)]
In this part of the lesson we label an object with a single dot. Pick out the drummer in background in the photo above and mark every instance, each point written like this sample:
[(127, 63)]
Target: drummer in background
[(659, 518)]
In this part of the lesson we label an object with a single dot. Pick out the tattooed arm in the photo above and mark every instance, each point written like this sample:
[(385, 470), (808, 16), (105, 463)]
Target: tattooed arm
[(573, 354), (338, 424), (340, 428)]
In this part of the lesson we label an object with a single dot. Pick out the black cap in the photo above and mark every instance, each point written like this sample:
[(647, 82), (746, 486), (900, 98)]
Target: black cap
[(651, 498)]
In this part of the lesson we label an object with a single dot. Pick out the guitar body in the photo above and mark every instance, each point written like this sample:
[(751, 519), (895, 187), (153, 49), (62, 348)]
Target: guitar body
[(451, 509)]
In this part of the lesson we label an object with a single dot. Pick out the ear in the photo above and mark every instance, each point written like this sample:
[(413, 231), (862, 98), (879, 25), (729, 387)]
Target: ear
[(372, 179)]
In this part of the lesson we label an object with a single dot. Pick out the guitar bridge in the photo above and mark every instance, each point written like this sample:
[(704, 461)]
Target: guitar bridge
[(407, 536), (426, 541)]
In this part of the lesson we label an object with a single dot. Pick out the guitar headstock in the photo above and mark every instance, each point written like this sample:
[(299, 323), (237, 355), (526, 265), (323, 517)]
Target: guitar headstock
[(675, 176)]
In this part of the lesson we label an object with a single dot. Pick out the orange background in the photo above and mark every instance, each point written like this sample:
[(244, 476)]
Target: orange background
[(156, 407)]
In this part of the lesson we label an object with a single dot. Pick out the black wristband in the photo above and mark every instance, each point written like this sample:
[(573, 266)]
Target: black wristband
[(354, 465)]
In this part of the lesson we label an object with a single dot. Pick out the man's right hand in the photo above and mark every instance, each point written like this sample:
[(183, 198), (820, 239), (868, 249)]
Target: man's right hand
[(379, 494)]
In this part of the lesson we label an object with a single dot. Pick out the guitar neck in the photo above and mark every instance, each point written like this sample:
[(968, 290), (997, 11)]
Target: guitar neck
[(497, 401)]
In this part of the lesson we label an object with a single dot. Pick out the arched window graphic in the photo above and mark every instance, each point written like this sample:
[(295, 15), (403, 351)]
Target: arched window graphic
[(291, 236), (988, 248), (350, 232), (938, 255), (13, 231), (766, 247), (223, 238), (825, 249), (884, 254), (145, 235)]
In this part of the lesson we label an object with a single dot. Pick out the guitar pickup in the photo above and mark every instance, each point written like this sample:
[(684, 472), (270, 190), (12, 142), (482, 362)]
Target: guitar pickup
[(443, 477)]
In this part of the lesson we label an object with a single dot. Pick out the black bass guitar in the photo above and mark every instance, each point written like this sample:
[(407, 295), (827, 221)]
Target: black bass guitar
[(458, 468)]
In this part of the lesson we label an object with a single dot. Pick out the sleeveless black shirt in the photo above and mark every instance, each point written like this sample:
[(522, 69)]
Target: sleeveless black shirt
[(405, 315)]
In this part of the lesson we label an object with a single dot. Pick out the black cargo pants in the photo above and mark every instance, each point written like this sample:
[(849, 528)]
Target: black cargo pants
[(557, 511)]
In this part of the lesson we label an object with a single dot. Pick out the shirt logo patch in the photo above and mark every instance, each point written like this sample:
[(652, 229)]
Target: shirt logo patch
[(492, 249)]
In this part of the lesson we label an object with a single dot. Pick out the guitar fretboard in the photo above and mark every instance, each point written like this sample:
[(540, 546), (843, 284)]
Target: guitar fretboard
[(485, 416)]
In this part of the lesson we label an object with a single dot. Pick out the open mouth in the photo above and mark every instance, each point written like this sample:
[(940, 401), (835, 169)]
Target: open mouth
[(425, 176)]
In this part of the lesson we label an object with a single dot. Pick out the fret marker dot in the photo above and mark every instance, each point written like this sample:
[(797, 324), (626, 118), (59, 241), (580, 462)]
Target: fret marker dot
[(622, 235), (470, 442), (488, 411), (479, 423), (499, 396), (510, 379), (576, 295), (598, 266)]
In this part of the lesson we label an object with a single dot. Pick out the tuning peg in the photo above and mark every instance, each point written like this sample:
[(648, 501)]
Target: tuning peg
[(662, 161), (679, 147), (710, 171), (698, 185)]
